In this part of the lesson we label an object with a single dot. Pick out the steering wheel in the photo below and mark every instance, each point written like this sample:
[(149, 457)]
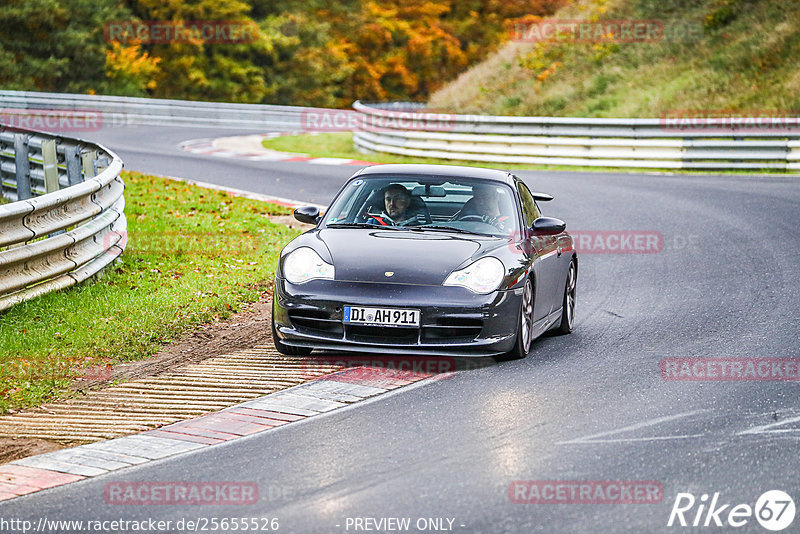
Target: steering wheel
[(481, 218)]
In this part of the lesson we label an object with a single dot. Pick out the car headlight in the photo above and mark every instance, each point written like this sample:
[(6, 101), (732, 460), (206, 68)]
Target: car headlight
[(482, 276), (304, 264)]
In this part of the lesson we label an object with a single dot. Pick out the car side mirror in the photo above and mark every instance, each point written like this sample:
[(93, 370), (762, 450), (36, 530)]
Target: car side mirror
[(548, 226), (307, 214)]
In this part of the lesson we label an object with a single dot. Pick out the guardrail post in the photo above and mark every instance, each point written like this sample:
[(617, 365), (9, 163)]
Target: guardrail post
[(100, 164), (50, 164), (23, 167), (88, 159), (72, 156)]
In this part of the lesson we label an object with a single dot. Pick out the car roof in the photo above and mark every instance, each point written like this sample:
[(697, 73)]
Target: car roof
[(439, 170)]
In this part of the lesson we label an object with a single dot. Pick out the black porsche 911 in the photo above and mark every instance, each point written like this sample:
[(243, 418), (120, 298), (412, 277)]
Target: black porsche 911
[(426, 259)]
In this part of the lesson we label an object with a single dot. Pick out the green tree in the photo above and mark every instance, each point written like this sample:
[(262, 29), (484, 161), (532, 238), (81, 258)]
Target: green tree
[(55, 45), (199, 70)]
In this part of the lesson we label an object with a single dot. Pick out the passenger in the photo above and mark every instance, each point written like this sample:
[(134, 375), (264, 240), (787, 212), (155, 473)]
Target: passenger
[(485, 201), (484, 205)]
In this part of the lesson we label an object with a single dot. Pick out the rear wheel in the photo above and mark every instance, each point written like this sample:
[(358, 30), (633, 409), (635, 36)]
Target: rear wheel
[(525, 327), (568, 305), (287, 350)]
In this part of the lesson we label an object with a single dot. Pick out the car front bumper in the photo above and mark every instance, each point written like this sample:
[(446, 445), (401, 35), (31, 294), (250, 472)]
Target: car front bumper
[(453, 320)]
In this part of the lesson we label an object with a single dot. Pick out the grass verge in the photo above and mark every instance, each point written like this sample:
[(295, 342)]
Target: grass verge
[(193, 255), (340, 145)]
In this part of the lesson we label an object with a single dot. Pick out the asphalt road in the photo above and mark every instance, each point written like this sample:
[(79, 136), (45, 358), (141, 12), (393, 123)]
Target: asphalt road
[(591, 406), (155, 149)]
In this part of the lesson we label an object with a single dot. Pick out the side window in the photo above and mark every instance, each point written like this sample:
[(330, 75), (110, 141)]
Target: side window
[(529, 207), (346, 212)]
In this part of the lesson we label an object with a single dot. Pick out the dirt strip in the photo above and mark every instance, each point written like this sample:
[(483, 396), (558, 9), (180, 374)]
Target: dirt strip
[(331, 392), (197, 374), (190, 391)]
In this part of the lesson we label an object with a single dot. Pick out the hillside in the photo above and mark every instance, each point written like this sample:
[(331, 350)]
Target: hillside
[(715, 56)]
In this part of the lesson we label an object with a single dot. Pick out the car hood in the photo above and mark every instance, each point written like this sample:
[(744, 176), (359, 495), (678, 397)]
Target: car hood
[(365, 255)]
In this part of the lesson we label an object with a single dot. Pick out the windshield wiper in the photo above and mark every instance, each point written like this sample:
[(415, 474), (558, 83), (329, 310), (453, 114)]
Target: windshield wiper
[(361, 225), (410, 228), (446, 229)]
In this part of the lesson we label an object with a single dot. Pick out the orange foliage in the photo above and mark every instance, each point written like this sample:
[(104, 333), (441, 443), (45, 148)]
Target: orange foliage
[(405, 49), (130, 66)]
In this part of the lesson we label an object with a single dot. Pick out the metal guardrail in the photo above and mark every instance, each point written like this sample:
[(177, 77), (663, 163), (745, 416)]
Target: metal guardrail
[(66, 221), (122, 111), (636, 143)]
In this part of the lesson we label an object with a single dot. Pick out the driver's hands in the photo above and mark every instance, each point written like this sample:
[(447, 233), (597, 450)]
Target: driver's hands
[(497, 222), (419, 218)]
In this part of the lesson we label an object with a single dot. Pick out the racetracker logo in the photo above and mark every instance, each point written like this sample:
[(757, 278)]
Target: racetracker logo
[(730, 369), (97, 372), (618, 241), (717, 121), (582, 31), (212, 244), (187, 31), (585, 492), (380, 367), (337, 120), (774, 510), (181, 493), (605, 242), (53, 120)]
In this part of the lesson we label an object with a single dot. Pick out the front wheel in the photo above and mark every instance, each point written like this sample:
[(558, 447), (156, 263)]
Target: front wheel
[(568, 304), (525, 327), (287, 350)]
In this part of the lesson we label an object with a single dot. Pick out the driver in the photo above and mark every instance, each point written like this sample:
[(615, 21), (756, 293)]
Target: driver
[(397, 201)]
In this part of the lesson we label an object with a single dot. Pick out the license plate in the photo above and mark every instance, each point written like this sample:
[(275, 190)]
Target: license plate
[(381, 316)]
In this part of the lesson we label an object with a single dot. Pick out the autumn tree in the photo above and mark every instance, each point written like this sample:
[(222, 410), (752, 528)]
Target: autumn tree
[(387, 50), (303, 52)]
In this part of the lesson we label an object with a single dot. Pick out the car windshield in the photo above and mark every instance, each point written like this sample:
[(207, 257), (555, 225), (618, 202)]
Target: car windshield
[(419, 203)]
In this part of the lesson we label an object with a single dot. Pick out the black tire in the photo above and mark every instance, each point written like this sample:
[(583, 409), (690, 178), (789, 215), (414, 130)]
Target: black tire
[(522, 345), (568, 304), (287, 350)]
